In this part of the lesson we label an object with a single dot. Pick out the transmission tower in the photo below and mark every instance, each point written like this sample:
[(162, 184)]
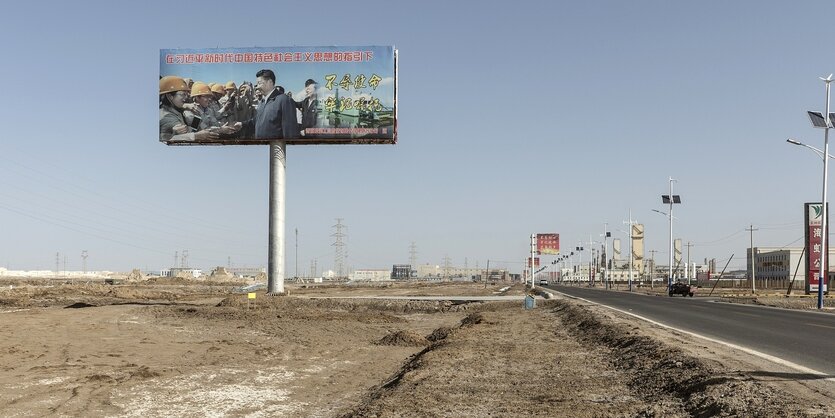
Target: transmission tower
[(447, 264), (413, 254), (339, 258), (176, 256), (57, 263), (84, 261), (185, 259)]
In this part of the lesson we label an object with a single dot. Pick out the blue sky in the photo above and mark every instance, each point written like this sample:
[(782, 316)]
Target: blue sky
[(515, 118)]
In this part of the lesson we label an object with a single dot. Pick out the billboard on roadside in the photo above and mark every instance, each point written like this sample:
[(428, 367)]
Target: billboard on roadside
[(548, 244), (302, 95), (813, 216)]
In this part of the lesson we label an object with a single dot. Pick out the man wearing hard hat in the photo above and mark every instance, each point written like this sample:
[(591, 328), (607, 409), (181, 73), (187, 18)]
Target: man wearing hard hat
[(203, 112), (173, 92)]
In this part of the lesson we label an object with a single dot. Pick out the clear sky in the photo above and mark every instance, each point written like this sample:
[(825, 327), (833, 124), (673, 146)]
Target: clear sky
[(514, 118)]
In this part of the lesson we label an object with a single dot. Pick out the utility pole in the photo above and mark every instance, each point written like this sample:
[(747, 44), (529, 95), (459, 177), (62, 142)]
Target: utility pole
[(339, 244), (413, 255), (689, 266), (592, 262), (57, 263), (652, 269), (606, 235), (297, 253), (631, 250), (84, 261), (754, 260)]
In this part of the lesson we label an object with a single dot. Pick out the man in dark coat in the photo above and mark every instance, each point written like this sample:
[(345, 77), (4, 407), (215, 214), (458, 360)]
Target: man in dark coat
[(276, 117), (309, 106)]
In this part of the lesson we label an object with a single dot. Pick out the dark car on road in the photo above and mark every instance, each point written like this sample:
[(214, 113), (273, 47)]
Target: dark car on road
[(682, 289)]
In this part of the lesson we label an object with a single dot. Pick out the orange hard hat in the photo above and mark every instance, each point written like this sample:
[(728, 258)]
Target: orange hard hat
[(218, 88), (200, 89), (171, 83)]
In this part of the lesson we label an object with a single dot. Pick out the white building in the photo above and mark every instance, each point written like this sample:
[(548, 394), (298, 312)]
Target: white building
[(369, 275)]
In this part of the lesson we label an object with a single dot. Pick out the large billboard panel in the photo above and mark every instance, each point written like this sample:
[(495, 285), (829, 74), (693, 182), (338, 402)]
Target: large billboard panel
[(813, 215), (303, 95), (547, 244)]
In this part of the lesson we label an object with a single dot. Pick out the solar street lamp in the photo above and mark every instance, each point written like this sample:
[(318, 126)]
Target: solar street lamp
[(822, 120), (670, 199)]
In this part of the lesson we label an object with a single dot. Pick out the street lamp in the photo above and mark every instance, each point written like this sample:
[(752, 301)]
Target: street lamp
[(822, 121), (671, 199)]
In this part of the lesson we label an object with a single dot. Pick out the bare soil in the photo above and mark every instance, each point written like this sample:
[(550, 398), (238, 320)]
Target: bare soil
[(189, 349)]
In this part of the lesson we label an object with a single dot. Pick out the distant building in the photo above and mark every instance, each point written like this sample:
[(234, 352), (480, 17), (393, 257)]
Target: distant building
[(777, 266), (179, 271), (246, 271), (369, 275), (402, 272)]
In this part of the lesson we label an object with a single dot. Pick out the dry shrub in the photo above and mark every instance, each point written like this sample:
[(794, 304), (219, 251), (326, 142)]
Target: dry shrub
[(404, 339)]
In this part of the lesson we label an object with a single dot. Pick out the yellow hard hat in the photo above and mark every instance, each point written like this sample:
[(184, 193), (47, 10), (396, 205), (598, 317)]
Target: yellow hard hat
[(200, 89), (171, 83), (231, 86), (218, 88)]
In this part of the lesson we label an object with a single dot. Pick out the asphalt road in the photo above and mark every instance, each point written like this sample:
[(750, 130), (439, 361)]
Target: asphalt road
[(805, 338)]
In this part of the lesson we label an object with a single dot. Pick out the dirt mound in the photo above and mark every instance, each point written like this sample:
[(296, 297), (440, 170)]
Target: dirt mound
[(440, 334), (663, 374), (79, 305), (472, 319), (135, 276), (404, 339)]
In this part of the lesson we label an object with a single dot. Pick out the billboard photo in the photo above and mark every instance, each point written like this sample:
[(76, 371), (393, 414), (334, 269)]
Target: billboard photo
[(548, 244), (813, 216), (302, 95)]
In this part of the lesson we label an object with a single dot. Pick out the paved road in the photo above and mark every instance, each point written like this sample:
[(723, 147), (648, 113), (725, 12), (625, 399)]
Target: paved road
[(803, 337)]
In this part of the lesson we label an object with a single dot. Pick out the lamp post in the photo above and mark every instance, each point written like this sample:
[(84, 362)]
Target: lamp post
[(822, 121), (606, 235), (671, 199)]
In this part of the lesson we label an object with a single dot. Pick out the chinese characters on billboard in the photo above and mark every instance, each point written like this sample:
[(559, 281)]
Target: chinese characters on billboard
[(535, 262), (814, 246), (303, 95), (548, 244)]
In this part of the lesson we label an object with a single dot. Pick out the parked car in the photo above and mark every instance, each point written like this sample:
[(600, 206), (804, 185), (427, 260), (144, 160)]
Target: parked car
[(543, 282), (682, 289)]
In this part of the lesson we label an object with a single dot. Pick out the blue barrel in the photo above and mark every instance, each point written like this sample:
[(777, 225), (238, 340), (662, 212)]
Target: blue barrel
[(530, 302)]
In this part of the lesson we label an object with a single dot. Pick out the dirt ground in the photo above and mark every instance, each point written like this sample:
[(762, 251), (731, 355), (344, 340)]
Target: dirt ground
[(184, 348)]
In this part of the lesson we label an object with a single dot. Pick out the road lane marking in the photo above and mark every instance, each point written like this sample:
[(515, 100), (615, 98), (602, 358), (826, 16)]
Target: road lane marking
[(773, 359), (819, 325)]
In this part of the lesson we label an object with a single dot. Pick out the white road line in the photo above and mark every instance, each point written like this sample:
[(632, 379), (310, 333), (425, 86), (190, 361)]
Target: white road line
[(752, 352)]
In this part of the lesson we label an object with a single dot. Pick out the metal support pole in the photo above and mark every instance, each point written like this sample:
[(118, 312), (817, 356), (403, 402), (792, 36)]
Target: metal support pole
[(606, 283), (670, 277), (533, 250), (824, 270), (275, 257), (631, 250)]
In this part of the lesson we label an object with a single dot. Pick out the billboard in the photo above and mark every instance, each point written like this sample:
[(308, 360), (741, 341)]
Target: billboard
[(814, 241), (303, 95), (548, 244), (535, 262)]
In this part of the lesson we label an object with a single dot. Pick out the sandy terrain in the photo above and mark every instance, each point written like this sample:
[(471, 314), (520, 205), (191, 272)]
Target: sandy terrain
[(187, 349)]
